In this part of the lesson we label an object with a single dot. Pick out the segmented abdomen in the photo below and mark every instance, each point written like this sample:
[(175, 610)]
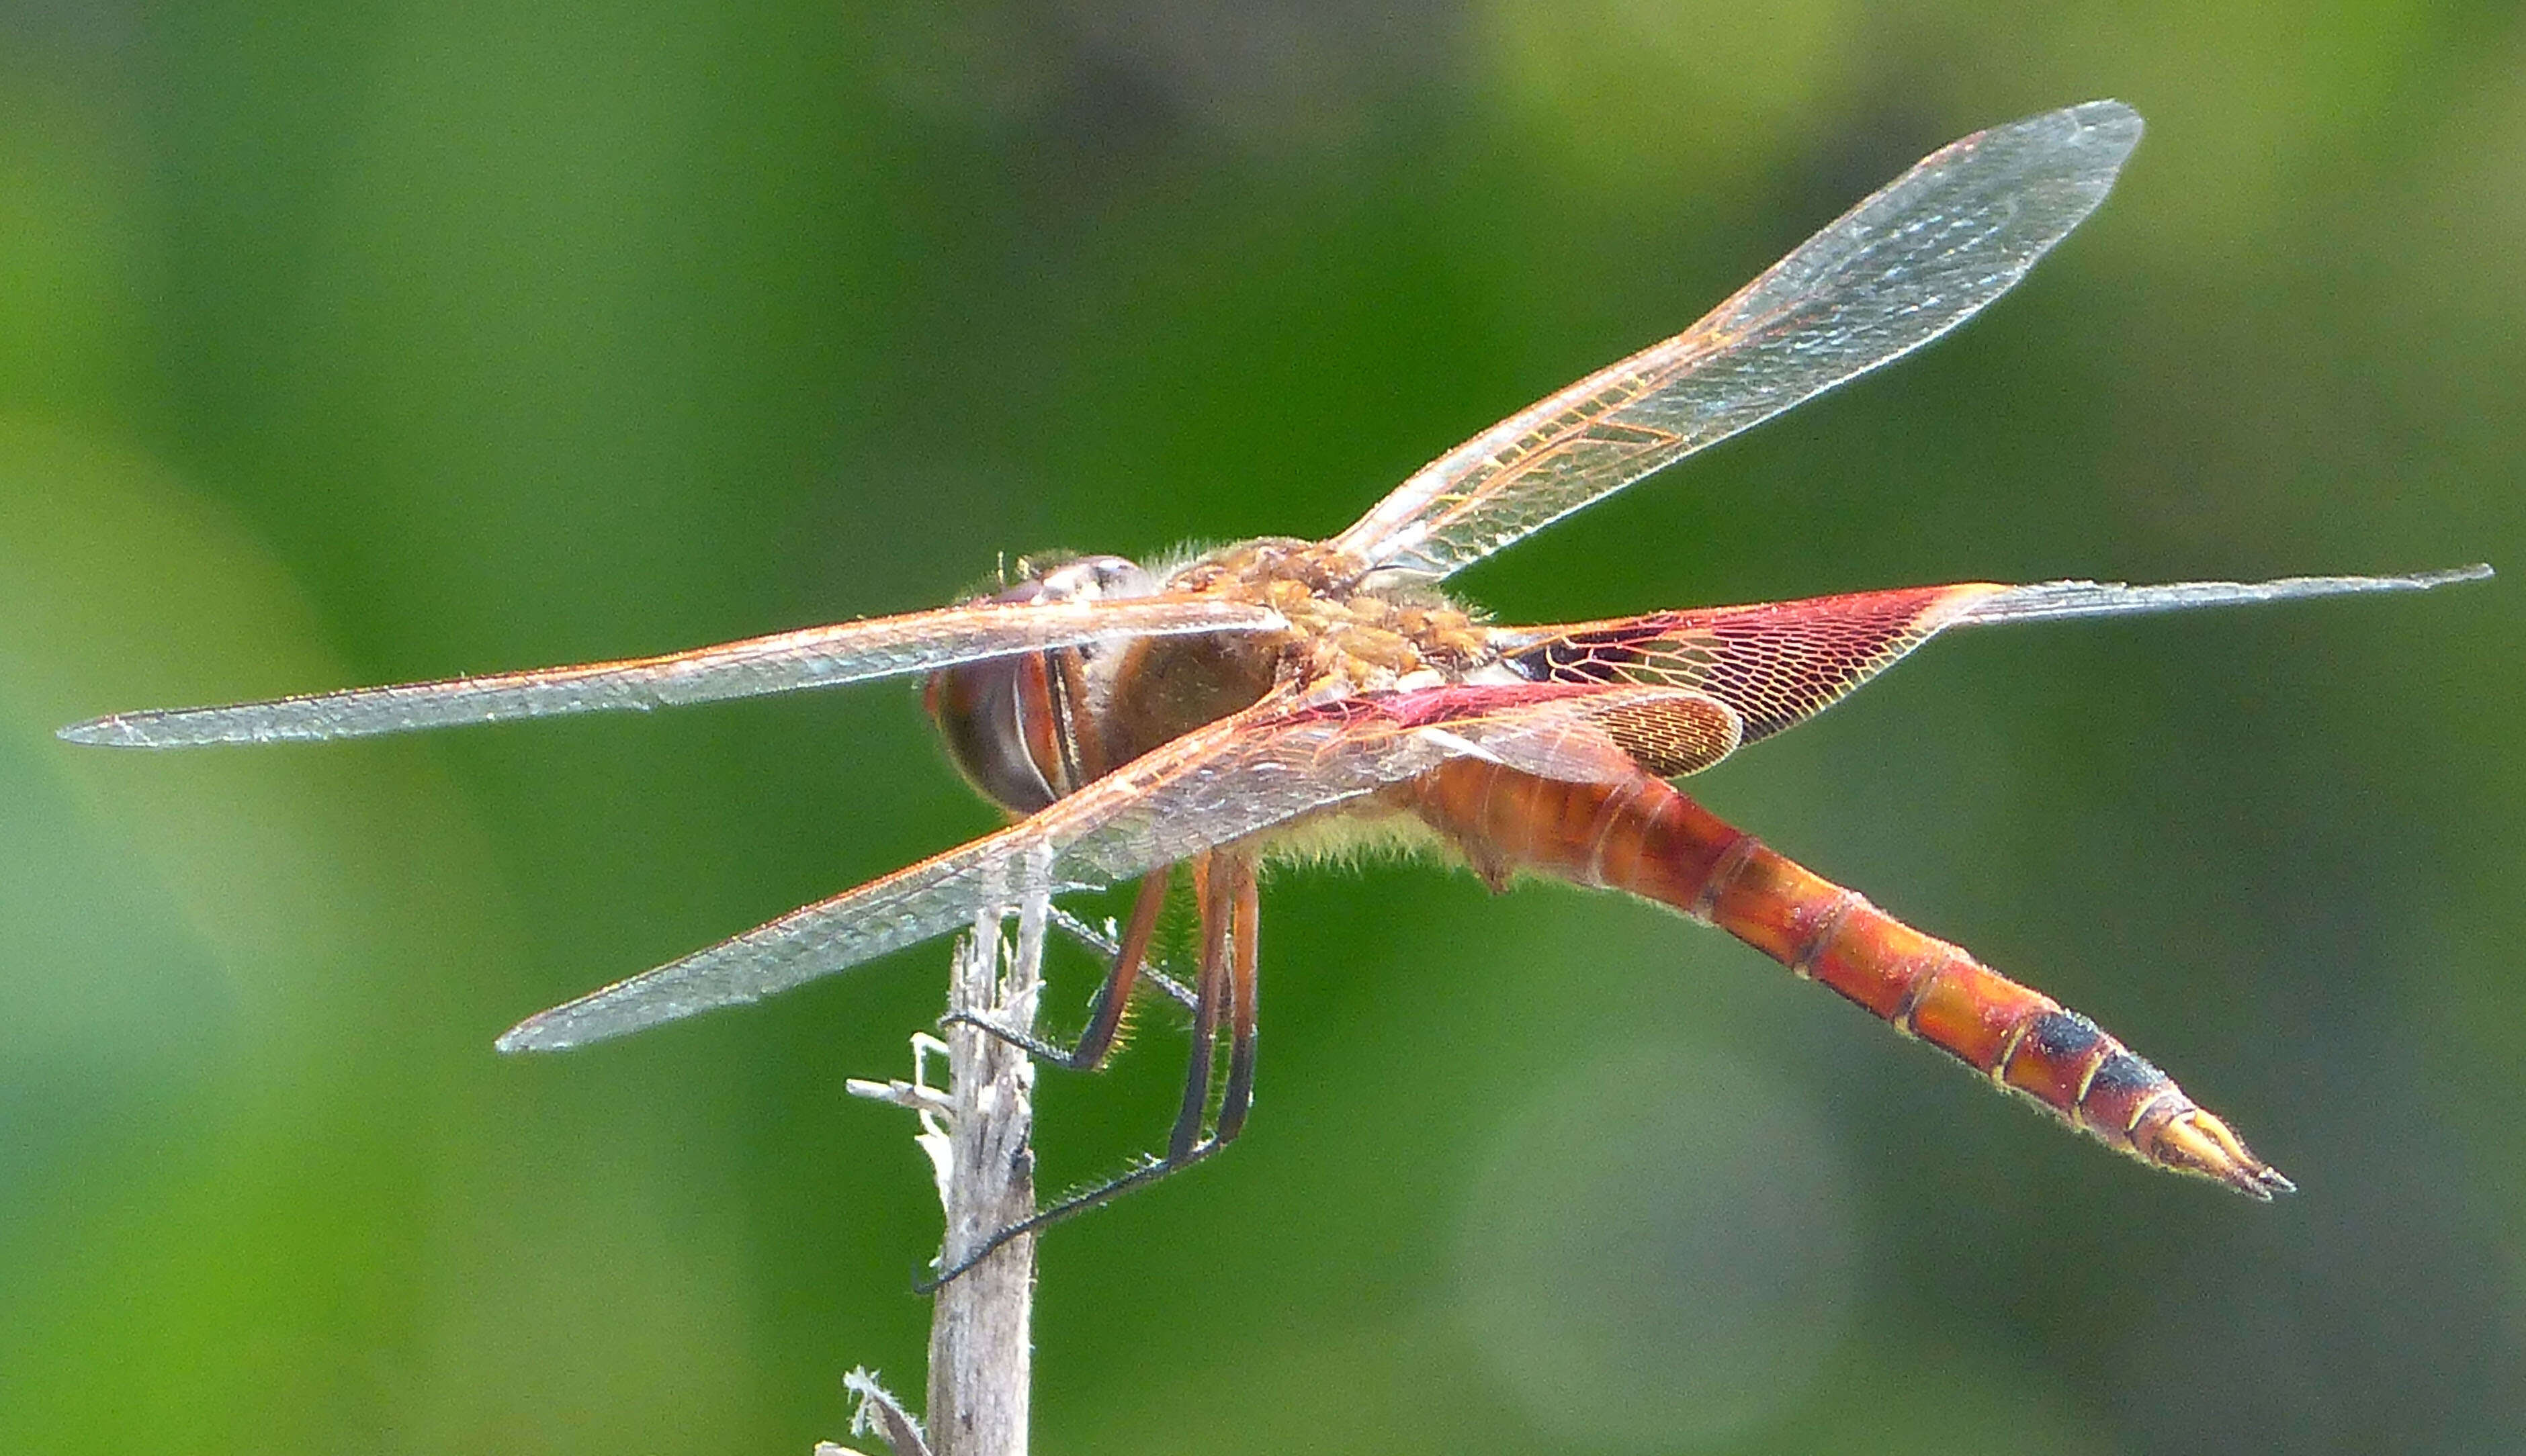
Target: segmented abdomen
[(1643, 835)]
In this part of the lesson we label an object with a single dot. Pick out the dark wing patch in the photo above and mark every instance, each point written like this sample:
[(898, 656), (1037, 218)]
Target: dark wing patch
[(1776, 664)]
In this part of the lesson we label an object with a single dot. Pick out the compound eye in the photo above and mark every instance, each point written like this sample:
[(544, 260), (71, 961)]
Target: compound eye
[(996, 719)]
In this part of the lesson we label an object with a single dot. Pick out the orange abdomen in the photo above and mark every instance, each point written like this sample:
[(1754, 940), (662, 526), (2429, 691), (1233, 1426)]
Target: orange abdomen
[(1643, 835)]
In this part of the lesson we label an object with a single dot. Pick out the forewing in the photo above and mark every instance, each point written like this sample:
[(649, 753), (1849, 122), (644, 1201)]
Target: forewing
[(1236, 777), (1920, 257), (1777, 663), (817, 657)]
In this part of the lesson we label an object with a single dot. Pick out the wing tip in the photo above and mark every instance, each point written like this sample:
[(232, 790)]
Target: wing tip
[(2103, 123), (2081, 598), (157, 728), (2479, 570), (178, 728), (533, 1035), (2106, 114), (109, 731), (562, 1028), (173, 728), (605, 1015)]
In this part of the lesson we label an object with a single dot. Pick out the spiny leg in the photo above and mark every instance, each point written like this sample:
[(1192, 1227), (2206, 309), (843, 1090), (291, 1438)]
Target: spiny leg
[(1214, 887), (1113, 994), (1131, 962), (1073, 1206), (1244, 935), (1107, 946), (1231, 908)]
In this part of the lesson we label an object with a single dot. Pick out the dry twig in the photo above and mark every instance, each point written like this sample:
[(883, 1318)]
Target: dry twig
[(976, 1133)]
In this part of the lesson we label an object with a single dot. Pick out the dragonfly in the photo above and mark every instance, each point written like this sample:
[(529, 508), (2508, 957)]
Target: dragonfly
[(1192, 718)]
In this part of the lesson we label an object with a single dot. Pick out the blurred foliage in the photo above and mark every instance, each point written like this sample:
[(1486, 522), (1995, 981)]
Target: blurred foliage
[(402, 340)]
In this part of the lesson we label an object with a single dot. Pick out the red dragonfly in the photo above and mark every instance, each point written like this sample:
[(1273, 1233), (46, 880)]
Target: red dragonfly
[(1209, 713)]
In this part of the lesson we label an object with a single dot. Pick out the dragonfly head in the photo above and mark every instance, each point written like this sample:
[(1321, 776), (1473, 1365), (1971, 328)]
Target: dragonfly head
[(1011, 723)]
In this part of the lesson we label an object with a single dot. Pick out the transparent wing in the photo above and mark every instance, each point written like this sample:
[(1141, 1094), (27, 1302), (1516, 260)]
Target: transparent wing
[(1238, 776), (2048, 600), (817, 657), (1780, 663), (1917, 259)]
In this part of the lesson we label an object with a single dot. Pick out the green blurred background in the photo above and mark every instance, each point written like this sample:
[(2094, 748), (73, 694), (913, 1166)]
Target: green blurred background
[(382, 342)]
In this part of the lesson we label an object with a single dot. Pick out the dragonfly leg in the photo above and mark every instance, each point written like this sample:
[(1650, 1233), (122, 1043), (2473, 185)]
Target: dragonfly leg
[(1076, 1204), (1152, 972), (1214, 888), (1105, 1013), (1238, 1097), (1231, 912)]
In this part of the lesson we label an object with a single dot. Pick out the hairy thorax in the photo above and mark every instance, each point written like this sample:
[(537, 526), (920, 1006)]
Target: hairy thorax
[(1031, 730), (1343, 639)]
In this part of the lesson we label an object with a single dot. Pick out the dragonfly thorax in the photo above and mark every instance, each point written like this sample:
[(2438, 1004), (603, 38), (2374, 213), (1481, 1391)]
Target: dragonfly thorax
[(1031, 729)]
